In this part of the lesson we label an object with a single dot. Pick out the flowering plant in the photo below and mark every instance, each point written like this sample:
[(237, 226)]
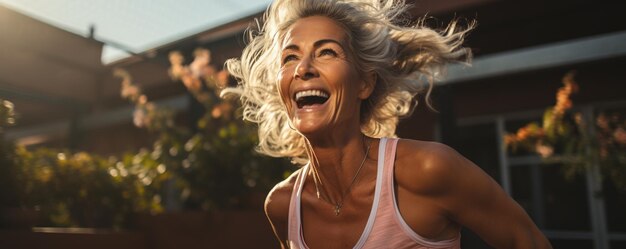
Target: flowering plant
[(79, 189), (7, 166), (211, 161), (7, 114), (566, 136), (74, 189), (209, 164)]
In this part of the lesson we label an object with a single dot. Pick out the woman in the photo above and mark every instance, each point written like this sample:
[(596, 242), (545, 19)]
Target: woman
[(326, 81)]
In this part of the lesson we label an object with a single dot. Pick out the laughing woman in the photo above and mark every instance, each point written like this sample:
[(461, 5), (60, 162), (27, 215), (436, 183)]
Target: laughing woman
[(326, 82)]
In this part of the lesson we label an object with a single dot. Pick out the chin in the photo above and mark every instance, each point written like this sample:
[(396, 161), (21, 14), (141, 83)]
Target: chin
[(309, 128)]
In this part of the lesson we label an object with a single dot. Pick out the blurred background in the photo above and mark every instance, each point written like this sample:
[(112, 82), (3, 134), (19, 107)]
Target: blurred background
[(113, 135)]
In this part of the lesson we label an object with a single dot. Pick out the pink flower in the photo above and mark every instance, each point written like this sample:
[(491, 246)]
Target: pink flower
[(143, 99), (176, 71), (544, 150), (620, 135), (130, 91), (201, 61), (140, 117), (176, 58)]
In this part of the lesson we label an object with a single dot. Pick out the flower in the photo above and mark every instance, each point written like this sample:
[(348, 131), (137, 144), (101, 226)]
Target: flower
[(509, 139), (202, 57), (563, 102), (176, 69), (142, 99), (130, 91), (602, 121), (620, 135), (222, 109), (193, 84), (7, 115), (222, 78), (544, 150), (140, 119)]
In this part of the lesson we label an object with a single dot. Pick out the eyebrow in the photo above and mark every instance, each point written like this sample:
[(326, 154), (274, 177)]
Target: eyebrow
[(317, 44)]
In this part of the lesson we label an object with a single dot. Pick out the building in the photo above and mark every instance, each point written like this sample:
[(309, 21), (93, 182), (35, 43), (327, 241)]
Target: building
[(522, 50)]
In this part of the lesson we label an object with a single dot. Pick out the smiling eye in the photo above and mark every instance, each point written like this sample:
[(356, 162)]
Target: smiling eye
[(289, 58), (327, 51)]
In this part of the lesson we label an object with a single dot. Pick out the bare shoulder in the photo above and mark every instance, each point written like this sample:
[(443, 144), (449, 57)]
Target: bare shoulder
[(466, 194), (428, 167), (277, 201)]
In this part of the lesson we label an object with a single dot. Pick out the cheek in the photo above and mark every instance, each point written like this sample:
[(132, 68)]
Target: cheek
[(347, 79)]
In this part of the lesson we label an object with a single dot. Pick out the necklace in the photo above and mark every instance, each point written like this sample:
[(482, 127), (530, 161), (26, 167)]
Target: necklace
[(339, 205)]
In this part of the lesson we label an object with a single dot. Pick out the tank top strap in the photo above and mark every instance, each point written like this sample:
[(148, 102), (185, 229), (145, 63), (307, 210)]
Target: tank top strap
[(293, 221), (390, 159), (390, 217), (387, 200)]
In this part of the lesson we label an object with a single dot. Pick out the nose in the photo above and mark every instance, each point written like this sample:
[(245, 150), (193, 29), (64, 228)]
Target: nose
[(305, 69)]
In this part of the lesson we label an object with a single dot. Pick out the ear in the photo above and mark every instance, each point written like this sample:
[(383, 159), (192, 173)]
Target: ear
[(367, 85)]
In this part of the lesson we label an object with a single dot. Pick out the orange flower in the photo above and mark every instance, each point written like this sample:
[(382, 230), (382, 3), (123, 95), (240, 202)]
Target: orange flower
[(620, 135), (192, 83), (509, 139), (216, 112), (143, 99), (578, 118), (602, 121), (176, 58), (523, 133), (563, 102), (123, 74), (222, 109), (176, 69), (222, 78), (130, 91)]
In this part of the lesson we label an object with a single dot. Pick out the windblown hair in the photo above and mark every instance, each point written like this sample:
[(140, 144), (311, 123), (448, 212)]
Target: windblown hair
[(405, 59)]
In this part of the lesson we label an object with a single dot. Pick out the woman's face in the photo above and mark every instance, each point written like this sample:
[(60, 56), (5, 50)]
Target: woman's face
[(319, 83)]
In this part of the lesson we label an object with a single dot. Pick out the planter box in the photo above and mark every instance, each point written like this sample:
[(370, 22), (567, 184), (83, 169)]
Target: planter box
[(188, 230)]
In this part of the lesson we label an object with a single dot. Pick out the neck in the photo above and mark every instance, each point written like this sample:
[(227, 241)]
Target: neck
[(335, 163)]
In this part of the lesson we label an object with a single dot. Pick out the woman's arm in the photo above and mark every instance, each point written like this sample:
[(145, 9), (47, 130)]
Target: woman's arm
[(473, 199)]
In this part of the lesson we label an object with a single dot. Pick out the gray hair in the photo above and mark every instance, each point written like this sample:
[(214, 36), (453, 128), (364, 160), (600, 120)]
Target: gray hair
[(405, 59)]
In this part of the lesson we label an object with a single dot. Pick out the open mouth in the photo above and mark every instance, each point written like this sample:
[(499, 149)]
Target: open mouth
[(311, 98)]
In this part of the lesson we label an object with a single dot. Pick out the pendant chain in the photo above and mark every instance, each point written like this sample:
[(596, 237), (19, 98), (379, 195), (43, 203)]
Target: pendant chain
[(339, 205)]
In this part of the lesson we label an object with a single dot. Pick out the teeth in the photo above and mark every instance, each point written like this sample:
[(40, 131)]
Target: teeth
[(308, 93)]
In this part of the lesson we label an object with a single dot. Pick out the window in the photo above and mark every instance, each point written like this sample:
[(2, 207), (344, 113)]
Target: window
[(572, 213)]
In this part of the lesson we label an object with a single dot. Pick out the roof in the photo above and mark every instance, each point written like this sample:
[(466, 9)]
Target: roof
[(138, 25), (41, 65), (50, 63)]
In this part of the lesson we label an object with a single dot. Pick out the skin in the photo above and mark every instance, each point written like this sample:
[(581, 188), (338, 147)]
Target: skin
[(436, 196)]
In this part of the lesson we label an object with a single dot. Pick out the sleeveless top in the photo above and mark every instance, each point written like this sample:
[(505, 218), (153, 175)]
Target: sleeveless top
[(385, 227)]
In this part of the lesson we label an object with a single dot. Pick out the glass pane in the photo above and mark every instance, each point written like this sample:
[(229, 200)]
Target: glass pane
[(606, 123), (618, 244), (520, 187), (615, 206), (470, 240), (526, 189), (565, 200), (554, 203), (572, 244), (478, 143)]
